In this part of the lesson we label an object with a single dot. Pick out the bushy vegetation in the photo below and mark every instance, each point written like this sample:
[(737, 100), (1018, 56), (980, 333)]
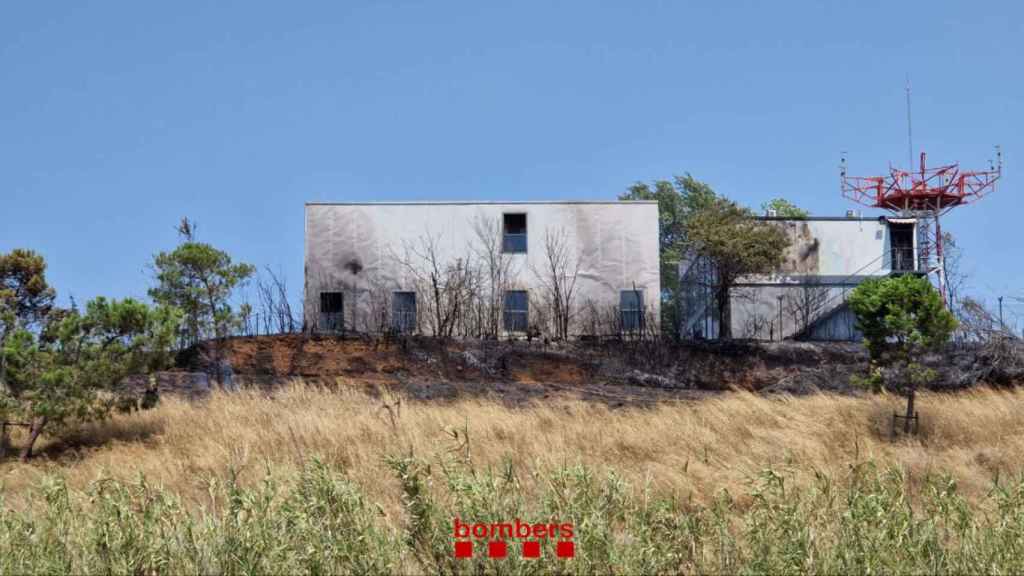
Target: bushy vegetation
[(199, 280), (902, 318), (738, 245), (783, 209), (61, 366), (871, 521), (318, 524), (695, 221)]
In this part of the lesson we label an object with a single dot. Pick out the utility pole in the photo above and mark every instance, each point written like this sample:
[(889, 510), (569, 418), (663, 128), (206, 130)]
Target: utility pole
[(1001, 325)]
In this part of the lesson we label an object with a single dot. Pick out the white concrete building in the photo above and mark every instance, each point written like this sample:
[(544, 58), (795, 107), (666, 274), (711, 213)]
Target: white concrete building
[(806, 297), (372, 267)]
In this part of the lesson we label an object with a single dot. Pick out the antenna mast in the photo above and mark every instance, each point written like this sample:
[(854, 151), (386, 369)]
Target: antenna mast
[(910, 133), (923, 194)]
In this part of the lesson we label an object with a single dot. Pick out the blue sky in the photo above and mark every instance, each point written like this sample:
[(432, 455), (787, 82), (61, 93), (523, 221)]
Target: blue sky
[(119, 118)]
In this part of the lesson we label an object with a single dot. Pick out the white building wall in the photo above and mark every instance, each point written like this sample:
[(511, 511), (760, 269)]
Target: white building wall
[(826, 259), (833, 248), (350, 246)]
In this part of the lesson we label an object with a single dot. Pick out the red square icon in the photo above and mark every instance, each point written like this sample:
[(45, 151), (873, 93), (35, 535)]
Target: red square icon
[(463, 549), (497, 549), (565, 549), (531, 549)]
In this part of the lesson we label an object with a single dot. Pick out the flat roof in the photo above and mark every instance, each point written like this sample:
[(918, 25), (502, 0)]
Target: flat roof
[(480, 202), (827, 218)]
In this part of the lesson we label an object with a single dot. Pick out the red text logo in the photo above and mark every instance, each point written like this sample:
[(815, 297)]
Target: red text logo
[(516, 537)]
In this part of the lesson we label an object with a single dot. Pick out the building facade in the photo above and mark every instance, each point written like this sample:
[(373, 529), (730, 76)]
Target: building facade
[(806, 297), (482, 269)]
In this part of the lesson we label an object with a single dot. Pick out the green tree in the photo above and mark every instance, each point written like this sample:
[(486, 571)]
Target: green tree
[(737, 244), (902, 318), (26, 299), (70, 369), (199, 279), (784, 209), (678, 200), (25, 296)]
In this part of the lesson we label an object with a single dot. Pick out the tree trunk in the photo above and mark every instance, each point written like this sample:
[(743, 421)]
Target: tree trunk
[(37, 429), (724, 313), (217, 352), (910, 408), (4, 441)]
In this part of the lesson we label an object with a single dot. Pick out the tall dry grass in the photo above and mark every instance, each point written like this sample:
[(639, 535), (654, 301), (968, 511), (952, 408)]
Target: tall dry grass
[(691, 450), (312, 481)]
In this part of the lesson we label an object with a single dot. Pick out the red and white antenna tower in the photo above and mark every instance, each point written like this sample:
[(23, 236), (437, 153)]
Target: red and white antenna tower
[(926, 195)]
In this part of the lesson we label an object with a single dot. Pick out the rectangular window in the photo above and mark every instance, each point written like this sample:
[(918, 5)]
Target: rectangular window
[(332, 312), (517, 310), (513, 233), (631, 306), (403, 312)]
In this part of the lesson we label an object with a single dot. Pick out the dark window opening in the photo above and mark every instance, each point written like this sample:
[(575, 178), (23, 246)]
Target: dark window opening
[(403, 312), (332, 311), (517, 310), (901, 237), (514, 233), (631, 307)]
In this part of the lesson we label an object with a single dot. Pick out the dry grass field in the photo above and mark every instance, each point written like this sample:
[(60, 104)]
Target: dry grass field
[(687, 448), (690, 452)]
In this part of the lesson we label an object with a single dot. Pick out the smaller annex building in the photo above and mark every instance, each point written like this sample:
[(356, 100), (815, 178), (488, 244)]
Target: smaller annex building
[(482, 269), (806, 297)]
